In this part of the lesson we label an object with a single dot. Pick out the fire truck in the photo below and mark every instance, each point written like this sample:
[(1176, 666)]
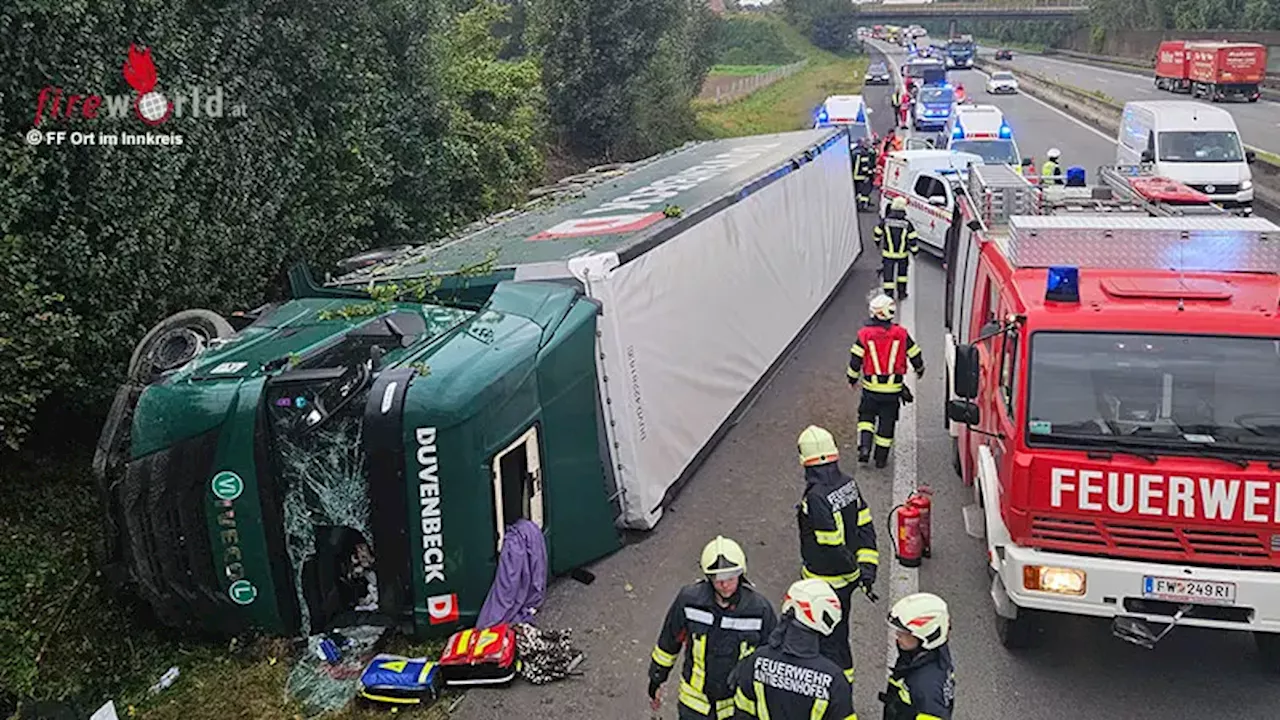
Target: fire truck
[(1113, 376)]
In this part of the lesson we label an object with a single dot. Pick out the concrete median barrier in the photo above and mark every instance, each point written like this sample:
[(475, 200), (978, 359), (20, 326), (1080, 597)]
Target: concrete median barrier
[(1103, 112)]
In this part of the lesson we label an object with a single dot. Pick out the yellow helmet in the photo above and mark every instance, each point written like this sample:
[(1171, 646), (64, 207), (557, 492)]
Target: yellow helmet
[(817, 447), (925, 616), (816, 605), (899, 203), (722, 559)]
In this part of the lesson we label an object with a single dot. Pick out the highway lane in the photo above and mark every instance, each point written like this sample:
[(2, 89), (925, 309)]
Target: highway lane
[(747, 490), (1076, 669), (1259, 122)]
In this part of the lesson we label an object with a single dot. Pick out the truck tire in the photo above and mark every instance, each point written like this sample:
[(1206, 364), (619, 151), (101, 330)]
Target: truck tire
[(1268, 645), (174, 341), (1016, 634)]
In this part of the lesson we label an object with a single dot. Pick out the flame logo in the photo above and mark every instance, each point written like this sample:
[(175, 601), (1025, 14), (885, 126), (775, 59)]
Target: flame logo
[(139, 71)]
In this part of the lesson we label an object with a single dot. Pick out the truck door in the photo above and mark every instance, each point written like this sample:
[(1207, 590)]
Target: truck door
[(930, 209), (517, 483), (1001, 373)]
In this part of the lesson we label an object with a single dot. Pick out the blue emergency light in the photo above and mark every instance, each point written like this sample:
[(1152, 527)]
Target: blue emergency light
[(1005, 131), (957, 132), (1062, 284), (862, 114), (822, 114)]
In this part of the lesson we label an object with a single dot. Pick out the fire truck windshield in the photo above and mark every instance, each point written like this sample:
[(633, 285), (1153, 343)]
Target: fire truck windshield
[(1213, 393)]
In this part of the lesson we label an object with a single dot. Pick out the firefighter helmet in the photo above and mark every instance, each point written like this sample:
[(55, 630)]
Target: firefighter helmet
[(723, 558), (817, 447), (816, 605), (925, 616), (882, 307), (899, 203)]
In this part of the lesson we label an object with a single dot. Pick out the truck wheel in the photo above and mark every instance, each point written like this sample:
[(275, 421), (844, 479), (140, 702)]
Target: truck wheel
[(1015, 634), (174, 341), (1268, 645)]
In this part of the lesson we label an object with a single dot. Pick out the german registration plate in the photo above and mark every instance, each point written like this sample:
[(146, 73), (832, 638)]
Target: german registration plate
[(1194, 591)]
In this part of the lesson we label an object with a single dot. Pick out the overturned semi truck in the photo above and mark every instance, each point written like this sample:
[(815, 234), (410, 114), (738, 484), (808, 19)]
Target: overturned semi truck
[(353, 455)]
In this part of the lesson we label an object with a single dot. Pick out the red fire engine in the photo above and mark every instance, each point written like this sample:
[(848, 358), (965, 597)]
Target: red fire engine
[(1114, 396)]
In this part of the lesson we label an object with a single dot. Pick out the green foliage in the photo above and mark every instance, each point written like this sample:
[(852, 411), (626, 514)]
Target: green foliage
[(747, 40), (829, 24), (620, 75), (366, 124)]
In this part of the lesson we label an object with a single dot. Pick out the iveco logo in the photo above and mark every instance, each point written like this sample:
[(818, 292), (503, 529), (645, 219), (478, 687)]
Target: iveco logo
[(1209, 188)]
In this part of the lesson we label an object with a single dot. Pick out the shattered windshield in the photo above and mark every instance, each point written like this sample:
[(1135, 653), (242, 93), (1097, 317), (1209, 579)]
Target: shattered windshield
[(1218, 393)]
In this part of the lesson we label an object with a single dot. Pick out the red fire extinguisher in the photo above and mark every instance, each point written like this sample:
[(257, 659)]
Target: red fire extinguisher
[(922, 500), (908, 542)]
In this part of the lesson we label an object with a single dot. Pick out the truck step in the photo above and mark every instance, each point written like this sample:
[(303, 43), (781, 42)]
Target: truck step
[(975, 524)]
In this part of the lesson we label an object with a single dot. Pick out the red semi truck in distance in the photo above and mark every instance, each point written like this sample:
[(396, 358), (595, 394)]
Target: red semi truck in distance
[(1114, 395), (1213, 70)]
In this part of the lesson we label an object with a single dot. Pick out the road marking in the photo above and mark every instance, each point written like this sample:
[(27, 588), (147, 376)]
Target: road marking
[(1073, 119), (903, 581)]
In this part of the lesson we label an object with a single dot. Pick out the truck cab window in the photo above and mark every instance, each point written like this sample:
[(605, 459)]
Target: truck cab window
[(1009, 370), (517, 484)]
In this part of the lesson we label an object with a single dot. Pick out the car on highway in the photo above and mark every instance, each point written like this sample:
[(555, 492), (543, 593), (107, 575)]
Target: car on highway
[(847, 110), (877, 74), (1004, 54), (1002, 83), (934, 106), (983, 131)]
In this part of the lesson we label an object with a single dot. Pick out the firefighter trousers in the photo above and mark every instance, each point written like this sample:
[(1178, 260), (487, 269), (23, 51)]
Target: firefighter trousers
[(864, 191), (877, 416), (835, 647), (720, 709), (893, 276)]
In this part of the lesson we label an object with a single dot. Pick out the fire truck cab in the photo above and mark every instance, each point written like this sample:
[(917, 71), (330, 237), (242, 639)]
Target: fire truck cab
[(1113, 380)]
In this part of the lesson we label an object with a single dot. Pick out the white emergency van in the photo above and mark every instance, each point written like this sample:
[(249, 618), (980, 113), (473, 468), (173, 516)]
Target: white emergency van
[(983, 130), (1191, 142), (847, 110), (925, 178)]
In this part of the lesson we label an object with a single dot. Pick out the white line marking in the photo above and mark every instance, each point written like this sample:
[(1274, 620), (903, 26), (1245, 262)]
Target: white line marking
[(904, 581), (1075, 120)]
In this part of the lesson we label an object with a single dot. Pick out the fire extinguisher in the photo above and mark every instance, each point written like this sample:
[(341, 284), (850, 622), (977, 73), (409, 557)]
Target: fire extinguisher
[(922, 500), (908, 542)]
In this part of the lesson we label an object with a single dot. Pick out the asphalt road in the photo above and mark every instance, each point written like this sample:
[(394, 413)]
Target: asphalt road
[(1259, 122), (747, 490)]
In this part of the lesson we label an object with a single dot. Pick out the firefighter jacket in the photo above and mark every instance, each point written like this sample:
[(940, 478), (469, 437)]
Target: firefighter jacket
[(878, 358), (715, 638), (896, 236), (922, 686), (789, 679), (1051, 172), (837, 534), (863, 162)]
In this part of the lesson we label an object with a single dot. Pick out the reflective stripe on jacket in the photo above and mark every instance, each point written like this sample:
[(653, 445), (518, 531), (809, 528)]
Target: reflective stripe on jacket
[(896, 236), (878, 358), (789, 679), (922, 686), (837, 532)]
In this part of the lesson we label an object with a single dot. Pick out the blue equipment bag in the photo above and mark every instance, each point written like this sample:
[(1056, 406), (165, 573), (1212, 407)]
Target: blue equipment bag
[(400, 680)]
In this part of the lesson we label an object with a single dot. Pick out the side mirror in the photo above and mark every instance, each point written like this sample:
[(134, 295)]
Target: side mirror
[(963, 411), (1148, 156), (966, 371), (939, 200), (1250, 156)]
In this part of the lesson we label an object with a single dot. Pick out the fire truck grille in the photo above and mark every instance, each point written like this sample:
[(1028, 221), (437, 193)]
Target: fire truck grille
[(1237, 548)]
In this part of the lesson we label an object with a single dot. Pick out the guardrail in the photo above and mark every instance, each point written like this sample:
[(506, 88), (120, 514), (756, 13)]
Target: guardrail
[(1104, 112), (744, 86)]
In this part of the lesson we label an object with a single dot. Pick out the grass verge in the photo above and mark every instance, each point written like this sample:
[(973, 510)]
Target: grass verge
[(789, 103), (742, 70)]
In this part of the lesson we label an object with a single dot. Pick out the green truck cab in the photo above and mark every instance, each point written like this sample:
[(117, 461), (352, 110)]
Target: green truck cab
[(353, 454)]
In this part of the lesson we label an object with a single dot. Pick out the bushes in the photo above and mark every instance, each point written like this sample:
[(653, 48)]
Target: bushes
[(829, 24), (746, 40), (366, 124)]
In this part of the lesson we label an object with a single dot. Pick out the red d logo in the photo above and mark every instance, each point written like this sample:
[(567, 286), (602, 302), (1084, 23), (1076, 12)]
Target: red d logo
[(443, 608)]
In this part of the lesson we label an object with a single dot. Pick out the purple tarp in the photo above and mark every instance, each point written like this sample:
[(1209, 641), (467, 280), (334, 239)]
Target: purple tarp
[(521, 582)]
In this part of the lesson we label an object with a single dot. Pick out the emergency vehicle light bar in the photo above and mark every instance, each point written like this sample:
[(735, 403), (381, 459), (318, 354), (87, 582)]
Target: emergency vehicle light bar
[(1062, 284), (1212, 244)]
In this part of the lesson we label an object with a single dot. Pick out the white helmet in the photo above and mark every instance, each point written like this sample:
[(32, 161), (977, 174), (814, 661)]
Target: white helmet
[(816, 605), (1054, 153), (925, 616), (882, 307)]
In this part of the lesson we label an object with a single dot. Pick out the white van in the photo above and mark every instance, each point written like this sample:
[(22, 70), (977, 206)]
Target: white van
[(848, 110), (1191, 142), (926, 178), (982, 130)]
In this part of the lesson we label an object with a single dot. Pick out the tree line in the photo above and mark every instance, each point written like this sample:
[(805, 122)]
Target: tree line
[(365, 124)]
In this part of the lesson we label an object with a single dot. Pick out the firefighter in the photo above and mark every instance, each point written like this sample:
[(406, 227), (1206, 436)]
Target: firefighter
[(1051, 172), (904, 107), (790, 678), (718, 620), (864, 162), (837, 535), (878, 364), (897, 239), (922, 682)]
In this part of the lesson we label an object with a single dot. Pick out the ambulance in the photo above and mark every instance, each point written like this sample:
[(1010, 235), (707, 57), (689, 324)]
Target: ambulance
[(1114, 398), (927, 179), (983, 130)]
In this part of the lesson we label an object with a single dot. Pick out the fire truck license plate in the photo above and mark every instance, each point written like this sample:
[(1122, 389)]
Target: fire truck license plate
[(1196, 591)]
